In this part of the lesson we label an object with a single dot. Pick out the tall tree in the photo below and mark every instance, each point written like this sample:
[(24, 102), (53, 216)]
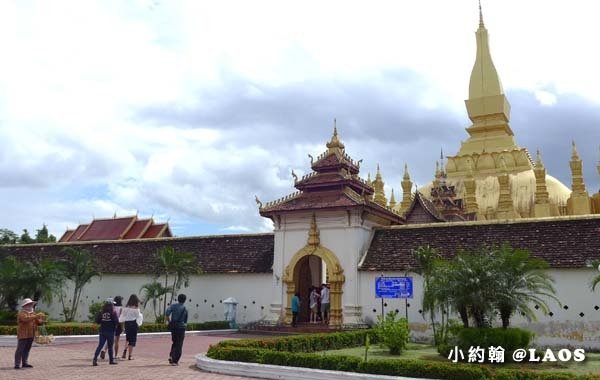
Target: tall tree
[(80, 268), (25, 238), (13, 282), (42, 235), (7, 236), (176, 268)]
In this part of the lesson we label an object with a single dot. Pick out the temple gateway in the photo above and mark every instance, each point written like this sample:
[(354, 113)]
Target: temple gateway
[(340, 228)]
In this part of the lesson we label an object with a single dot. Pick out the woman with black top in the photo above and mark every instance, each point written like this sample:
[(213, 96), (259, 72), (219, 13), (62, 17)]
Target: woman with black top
[(133, 318), (108, 320)]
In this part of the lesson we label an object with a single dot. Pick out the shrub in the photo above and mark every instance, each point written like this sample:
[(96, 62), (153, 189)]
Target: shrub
[(74, 328), (393, 333), (513, 374), (94, 309), (509, 339), (421, 368), (8, 317)]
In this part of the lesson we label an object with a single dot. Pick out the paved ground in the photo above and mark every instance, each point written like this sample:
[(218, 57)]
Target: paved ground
[(74, 361)]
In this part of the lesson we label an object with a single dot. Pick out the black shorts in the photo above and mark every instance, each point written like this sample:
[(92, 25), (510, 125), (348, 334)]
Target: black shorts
[(119, 329), (131, 330)]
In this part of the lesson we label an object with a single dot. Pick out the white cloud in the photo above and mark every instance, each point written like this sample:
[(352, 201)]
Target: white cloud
[(75, 76)]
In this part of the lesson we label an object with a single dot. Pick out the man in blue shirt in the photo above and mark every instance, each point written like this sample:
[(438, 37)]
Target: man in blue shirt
[(295, 309), (177, 316)]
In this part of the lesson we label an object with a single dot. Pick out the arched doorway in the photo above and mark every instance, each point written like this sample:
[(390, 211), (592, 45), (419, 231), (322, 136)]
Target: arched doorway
[(299, 273), (309, 273)]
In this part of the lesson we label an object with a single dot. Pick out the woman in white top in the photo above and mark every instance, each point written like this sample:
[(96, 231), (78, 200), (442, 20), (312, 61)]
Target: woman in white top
[(133, 318), (312, 303)]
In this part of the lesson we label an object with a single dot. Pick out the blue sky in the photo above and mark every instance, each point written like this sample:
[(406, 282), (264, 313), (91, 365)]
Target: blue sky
[(185, 110)]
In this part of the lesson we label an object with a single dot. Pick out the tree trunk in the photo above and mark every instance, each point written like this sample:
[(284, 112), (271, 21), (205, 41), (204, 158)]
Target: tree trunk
[(164, 311), (464, 316)]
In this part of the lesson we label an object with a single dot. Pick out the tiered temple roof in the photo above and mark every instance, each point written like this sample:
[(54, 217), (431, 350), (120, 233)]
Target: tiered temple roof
[(124, 228), (333, 184)]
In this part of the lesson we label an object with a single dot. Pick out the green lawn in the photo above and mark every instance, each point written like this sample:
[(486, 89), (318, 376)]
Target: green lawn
[(426, 352)]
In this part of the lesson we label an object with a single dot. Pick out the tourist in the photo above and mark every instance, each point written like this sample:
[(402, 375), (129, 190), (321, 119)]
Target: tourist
[(118, 306), (108, 321), (295, 309), (313, 303), (325, 303), (132, 317), (27, 324), (177, 316)]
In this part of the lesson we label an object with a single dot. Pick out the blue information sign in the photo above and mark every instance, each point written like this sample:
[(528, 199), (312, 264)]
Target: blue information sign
[(393, 287)]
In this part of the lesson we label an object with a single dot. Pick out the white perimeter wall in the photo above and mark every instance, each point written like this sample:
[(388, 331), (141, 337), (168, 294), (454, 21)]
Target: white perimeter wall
[(565, 327), (204, 295)]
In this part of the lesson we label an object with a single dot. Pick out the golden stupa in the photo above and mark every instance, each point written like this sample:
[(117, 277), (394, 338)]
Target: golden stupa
[(492, 159)]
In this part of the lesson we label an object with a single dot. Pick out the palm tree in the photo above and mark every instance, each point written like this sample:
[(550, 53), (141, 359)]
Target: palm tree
[(176, 267), (47, 278), (79, 268), (522, 282), (425, 257), (596, 280), (153, 291)]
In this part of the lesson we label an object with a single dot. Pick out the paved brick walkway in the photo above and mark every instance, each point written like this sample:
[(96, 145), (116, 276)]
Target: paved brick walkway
[(74, 361)]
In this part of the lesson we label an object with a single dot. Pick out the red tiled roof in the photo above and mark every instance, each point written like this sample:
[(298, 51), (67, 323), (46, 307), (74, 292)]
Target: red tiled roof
[(156, 231), (138, 229), (214, 254), (569, 242), (422, 210), (108, 229), (333, 161), (66, 236), (78, 232)]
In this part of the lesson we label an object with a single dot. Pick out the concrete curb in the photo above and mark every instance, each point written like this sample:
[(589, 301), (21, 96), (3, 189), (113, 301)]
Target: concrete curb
[(267, 371), (11, 340)]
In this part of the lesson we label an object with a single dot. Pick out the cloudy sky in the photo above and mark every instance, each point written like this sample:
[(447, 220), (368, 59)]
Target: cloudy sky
[(185, 110)]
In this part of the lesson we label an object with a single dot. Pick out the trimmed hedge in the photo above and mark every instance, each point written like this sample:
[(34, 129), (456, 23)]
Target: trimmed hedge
[(390, 367), (306, 343), (509, 339), (299, 351), (57, 329)]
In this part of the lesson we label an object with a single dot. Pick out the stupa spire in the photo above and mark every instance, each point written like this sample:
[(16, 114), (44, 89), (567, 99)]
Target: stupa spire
[(481, 25), (378, 184), (406, 190)]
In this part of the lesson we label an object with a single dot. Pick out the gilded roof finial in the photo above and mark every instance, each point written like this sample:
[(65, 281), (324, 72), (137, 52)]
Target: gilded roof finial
[(481, 25), (574, 155), (392, 200), (258, 202), (378, 174), (406, 175), (335, 141), (369, 178), (437, 169), (313, 232)]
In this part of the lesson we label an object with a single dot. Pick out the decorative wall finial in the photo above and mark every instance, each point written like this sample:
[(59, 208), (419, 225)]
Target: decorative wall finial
[(258, 202), (313, 232), (295, 176)]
